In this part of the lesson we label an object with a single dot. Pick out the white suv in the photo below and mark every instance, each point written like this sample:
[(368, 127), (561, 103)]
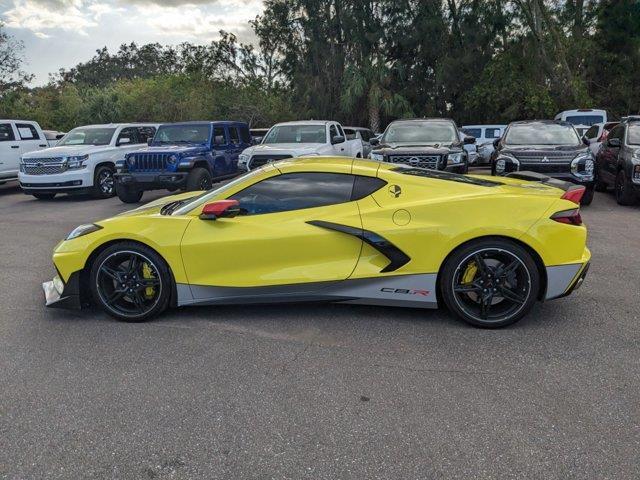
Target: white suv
[(84, 160), (485, 136)]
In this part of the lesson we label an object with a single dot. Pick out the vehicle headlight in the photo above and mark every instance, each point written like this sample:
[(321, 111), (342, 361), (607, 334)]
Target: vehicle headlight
[(131, 160), (243, 159), (376, 156), (501, 164), (506, 163), (77, 161), (582, 166), (172, 159), (455, 157), (83, 230)]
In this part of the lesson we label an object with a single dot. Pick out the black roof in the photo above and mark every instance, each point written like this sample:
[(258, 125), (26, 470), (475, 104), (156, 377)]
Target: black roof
[(204, 122)]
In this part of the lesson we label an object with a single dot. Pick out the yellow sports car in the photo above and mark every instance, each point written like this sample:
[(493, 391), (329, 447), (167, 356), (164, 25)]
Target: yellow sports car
[(335, 229)]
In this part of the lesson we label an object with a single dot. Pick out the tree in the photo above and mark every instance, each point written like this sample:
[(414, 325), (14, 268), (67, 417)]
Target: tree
[(11, 75)]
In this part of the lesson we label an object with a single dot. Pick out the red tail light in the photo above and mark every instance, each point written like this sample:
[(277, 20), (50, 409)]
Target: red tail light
[(570, 217), (574, 194)]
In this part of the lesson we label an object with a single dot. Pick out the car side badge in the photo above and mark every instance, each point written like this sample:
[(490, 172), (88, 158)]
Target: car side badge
[(395, 191)]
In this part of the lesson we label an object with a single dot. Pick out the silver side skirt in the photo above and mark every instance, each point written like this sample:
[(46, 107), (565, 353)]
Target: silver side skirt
[(418, 291), (559, 279)]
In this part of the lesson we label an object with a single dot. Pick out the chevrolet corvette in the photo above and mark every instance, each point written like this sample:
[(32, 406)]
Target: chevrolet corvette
[(335, 229)]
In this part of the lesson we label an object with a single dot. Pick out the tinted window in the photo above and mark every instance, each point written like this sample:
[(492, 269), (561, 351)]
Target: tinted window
[(340, 131), (27, 131), (129, 133), (421, 132), (365, 186), (295, 191), (474, 132), (350, 133), (145, 133), (233, 134), (633, 135), (296, 134), (617, 132), (541, 134), (6, 132), (219, 137), (492, 133), (592, 132), (366, 135), (88, 136), (585, 119), (333, 132), (244, 135)]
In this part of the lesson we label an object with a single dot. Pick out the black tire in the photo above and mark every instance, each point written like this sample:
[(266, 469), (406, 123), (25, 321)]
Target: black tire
[(199, 179), (104, 185), (624, 190), (587, 198), (600, 186), (127, 290), (504, 271), (128, 194), (44, 196)]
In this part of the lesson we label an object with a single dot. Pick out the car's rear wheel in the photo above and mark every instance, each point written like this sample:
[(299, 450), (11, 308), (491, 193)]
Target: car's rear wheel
[(128, 194), (131, 282), (103, 182), (624, 190), (199, 179), (44, 196), (490, 283)]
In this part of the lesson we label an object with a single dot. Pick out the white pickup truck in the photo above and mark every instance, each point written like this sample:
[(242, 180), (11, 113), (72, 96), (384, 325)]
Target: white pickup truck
[(18, 137), (300, 139), (84, 160)]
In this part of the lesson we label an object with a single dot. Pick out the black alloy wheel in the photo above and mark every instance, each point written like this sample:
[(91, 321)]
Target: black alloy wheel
[(491, 283), (131, 282), (104, 185), (624, 191)]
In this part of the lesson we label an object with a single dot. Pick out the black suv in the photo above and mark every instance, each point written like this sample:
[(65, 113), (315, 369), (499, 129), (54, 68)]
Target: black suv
[(432, 143), (545, 146), (618, 162)]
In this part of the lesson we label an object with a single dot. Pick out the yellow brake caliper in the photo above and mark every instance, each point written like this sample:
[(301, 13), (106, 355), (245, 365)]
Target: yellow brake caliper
[(147, 273), (469, 273)]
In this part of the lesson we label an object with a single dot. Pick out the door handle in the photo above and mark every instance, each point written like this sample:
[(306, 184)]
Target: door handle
[(41, 145), (15, 146)]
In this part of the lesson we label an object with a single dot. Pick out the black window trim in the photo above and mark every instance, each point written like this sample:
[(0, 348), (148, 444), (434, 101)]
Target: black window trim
[(31, 128)]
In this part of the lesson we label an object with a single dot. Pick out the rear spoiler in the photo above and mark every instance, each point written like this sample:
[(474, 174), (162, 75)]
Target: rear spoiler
[(572, 191)]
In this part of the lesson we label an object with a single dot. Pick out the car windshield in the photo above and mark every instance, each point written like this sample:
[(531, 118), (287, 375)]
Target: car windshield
[(182, 134), (420, 132), (542, 134), (585, 119), (192, 203), (296, 134), (88, 136), (633, 136)]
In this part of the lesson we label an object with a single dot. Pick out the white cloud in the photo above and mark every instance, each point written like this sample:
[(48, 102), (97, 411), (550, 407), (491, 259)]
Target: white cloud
[(40, 17)]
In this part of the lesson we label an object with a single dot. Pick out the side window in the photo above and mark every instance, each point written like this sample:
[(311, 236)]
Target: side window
[(27, 131), (295, 191), (617, 132), (351, 134), (473, 132), (127, 136), (233, 134), (365, 186), (592, 132), (145, 133), (333, 132), (340, 131), (244, 134), (492, 133), (219, 138), (6, 133)]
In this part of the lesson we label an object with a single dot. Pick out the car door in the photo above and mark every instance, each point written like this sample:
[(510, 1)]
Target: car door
[(272, 242), (9, 151), (608, 157), (339, 149), (222, 151)]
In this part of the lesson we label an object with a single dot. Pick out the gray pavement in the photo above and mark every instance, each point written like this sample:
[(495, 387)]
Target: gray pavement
[(316, 391)]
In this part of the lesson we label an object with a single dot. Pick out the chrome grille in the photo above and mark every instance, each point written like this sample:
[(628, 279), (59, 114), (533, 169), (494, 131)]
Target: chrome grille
[(433, 162), (258, 161), (43, 166), (149, 162), (531, 157)]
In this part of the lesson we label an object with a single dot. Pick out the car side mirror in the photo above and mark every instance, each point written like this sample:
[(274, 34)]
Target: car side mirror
[(337, 139), (496, 142), (469, 140), (149, 141), (613, 142), (124, 141), (374, 141), (220, 209)]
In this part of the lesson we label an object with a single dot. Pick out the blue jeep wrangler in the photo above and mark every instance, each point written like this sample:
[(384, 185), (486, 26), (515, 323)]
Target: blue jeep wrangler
[(187, 156)]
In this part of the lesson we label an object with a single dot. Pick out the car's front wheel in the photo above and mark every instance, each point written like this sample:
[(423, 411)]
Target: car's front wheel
[(103, 182), (490, 283), (199, 179), (128, 194), (131, 282), (624, 190)]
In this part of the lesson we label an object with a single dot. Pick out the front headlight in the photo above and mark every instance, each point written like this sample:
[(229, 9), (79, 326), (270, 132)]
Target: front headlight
[(131, 160), (77, 161), (172, 159), (243, 159), (83, 230), (455, 157), (582, 166), (376, 156), (506, 163)]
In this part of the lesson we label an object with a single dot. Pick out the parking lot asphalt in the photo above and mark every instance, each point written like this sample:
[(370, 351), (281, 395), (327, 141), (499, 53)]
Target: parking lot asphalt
[(317, 391)]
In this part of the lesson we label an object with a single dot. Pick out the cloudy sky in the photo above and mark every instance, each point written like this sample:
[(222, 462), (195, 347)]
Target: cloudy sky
[(62, 33)]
